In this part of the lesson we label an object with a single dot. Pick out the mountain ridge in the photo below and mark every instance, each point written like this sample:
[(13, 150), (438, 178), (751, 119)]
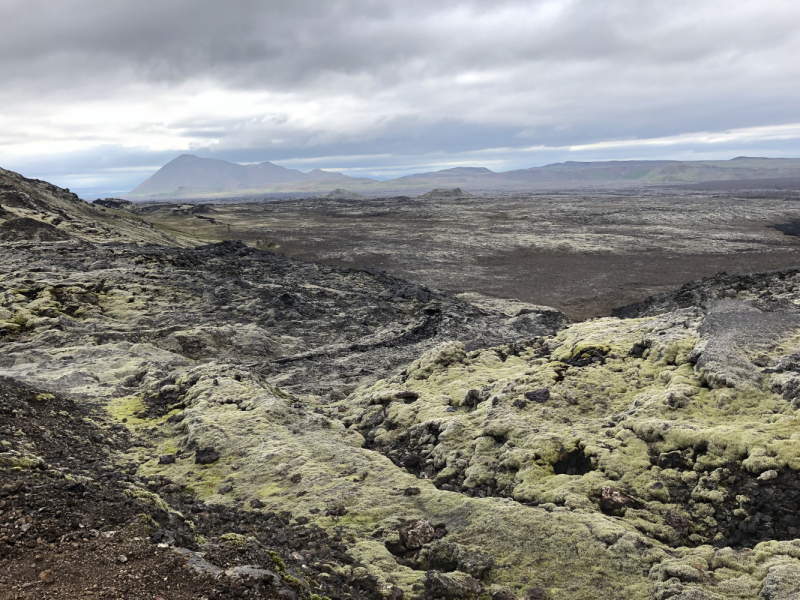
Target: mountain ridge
[(192, 176), (188, 171)]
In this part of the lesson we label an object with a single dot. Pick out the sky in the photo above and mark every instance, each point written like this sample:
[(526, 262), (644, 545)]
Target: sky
[(96, 95)]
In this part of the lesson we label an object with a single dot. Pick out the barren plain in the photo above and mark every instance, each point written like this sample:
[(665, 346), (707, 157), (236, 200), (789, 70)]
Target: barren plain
[(583, 253)]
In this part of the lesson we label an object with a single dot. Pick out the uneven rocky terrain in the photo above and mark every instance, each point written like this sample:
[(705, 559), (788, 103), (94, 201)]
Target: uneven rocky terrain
[(222, 421), (583, 253)]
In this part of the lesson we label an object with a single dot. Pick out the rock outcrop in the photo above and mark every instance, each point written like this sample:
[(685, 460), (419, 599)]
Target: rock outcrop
[(32, 210), (446, 193), (116, 203), (340, 194)]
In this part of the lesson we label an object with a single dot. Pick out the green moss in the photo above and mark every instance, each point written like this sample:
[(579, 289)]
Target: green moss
[(617, 415), (359, 520), (277, 562), (126, 408), (292, 581), (144, 523), (20, 462), (234, 540), (269, 490), (677, 352), (150, 498), (168, 448), (280, 567)]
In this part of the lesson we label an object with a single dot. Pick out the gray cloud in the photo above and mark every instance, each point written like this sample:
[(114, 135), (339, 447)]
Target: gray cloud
[(284, 80)]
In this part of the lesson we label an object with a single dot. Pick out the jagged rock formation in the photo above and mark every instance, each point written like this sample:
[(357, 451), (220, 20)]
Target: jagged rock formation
[(308, 328), (340, 194), (24, 229), (116, 203), (424, 446), (446, 193), (771, 291), (62, 215)]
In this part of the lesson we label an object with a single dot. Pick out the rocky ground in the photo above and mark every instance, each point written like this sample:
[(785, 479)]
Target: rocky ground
[(582, 253), (222, 421), (76, 522)]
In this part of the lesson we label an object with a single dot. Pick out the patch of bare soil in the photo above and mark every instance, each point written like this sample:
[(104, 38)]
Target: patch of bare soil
[(590, 285)]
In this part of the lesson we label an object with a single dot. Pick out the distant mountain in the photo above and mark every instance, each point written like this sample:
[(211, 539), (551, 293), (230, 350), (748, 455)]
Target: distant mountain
[(192, 176), (574, 173), (655, 171), (450, 173)]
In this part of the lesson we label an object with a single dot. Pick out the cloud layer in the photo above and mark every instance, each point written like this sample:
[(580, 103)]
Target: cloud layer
[(99, 93)]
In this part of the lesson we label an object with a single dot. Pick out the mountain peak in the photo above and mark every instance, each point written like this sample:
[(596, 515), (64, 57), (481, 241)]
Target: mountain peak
[(191, 175), (185, 158), (466, 171)]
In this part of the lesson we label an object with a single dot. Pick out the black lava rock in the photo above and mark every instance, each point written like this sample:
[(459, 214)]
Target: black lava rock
[(206, 456), (542, 395)]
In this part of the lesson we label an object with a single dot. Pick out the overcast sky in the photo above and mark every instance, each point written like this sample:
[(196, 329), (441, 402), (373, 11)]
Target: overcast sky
[(97, 94)]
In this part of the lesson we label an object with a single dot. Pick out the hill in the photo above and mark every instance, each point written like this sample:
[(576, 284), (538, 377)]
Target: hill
[(190, 175), (340, 194), (446, 193), (31, 209)]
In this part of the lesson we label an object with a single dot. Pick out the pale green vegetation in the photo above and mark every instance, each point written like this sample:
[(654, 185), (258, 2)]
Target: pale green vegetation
[(621, 413), (644, 406)]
